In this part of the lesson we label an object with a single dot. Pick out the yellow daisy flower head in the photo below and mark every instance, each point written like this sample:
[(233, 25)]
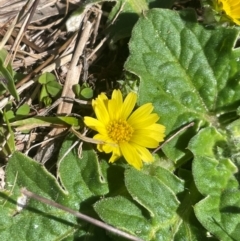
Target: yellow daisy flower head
[(229, 8), (125, 132)]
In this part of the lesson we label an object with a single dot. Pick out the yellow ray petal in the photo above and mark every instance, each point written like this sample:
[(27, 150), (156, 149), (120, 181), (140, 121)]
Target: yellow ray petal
[(100, 109), (128, 105), (142, 134), (142, 112), (114, 110), (144, 153), (115, 155), (144, 122), (93, 123), (131, 155), (117, 96), (145, 142), (108, 147)]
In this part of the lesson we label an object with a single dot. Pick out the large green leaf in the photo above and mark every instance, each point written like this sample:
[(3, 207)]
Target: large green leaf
[(82, 182), (188, 71), (83, 171), (37, 220)]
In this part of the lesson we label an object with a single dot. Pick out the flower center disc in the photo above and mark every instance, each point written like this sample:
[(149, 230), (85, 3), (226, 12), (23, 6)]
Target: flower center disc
[(119, 131)]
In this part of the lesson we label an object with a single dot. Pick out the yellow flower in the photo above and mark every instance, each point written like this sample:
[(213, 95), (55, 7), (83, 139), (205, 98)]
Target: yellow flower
[(125, 134), (230, 8)]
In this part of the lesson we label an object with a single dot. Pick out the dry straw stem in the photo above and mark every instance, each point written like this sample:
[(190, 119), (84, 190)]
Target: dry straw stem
[(74, 71), (73, 74)]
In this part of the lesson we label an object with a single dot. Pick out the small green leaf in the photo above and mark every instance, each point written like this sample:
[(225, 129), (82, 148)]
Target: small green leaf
[(87, 93), (3, 56), (77, 90), (53, 88), (7, 142), (9, 115), (43, 93), (47, 101), (233, 131), (23, 110), (46, 77)]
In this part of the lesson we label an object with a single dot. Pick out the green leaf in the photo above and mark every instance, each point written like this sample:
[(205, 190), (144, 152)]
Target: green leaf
[(7, 73), (146, 190), (77, 89), (43, 93), (84, 172), (166, 177), (9, 115), (47, 101), (189, 72), (87, 93), (23, 110), (53, 88), (233, 133), (38, 121), (124, 214), (50, 85), (215, 176), (46, 77), (7, 142), (212, 169)]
